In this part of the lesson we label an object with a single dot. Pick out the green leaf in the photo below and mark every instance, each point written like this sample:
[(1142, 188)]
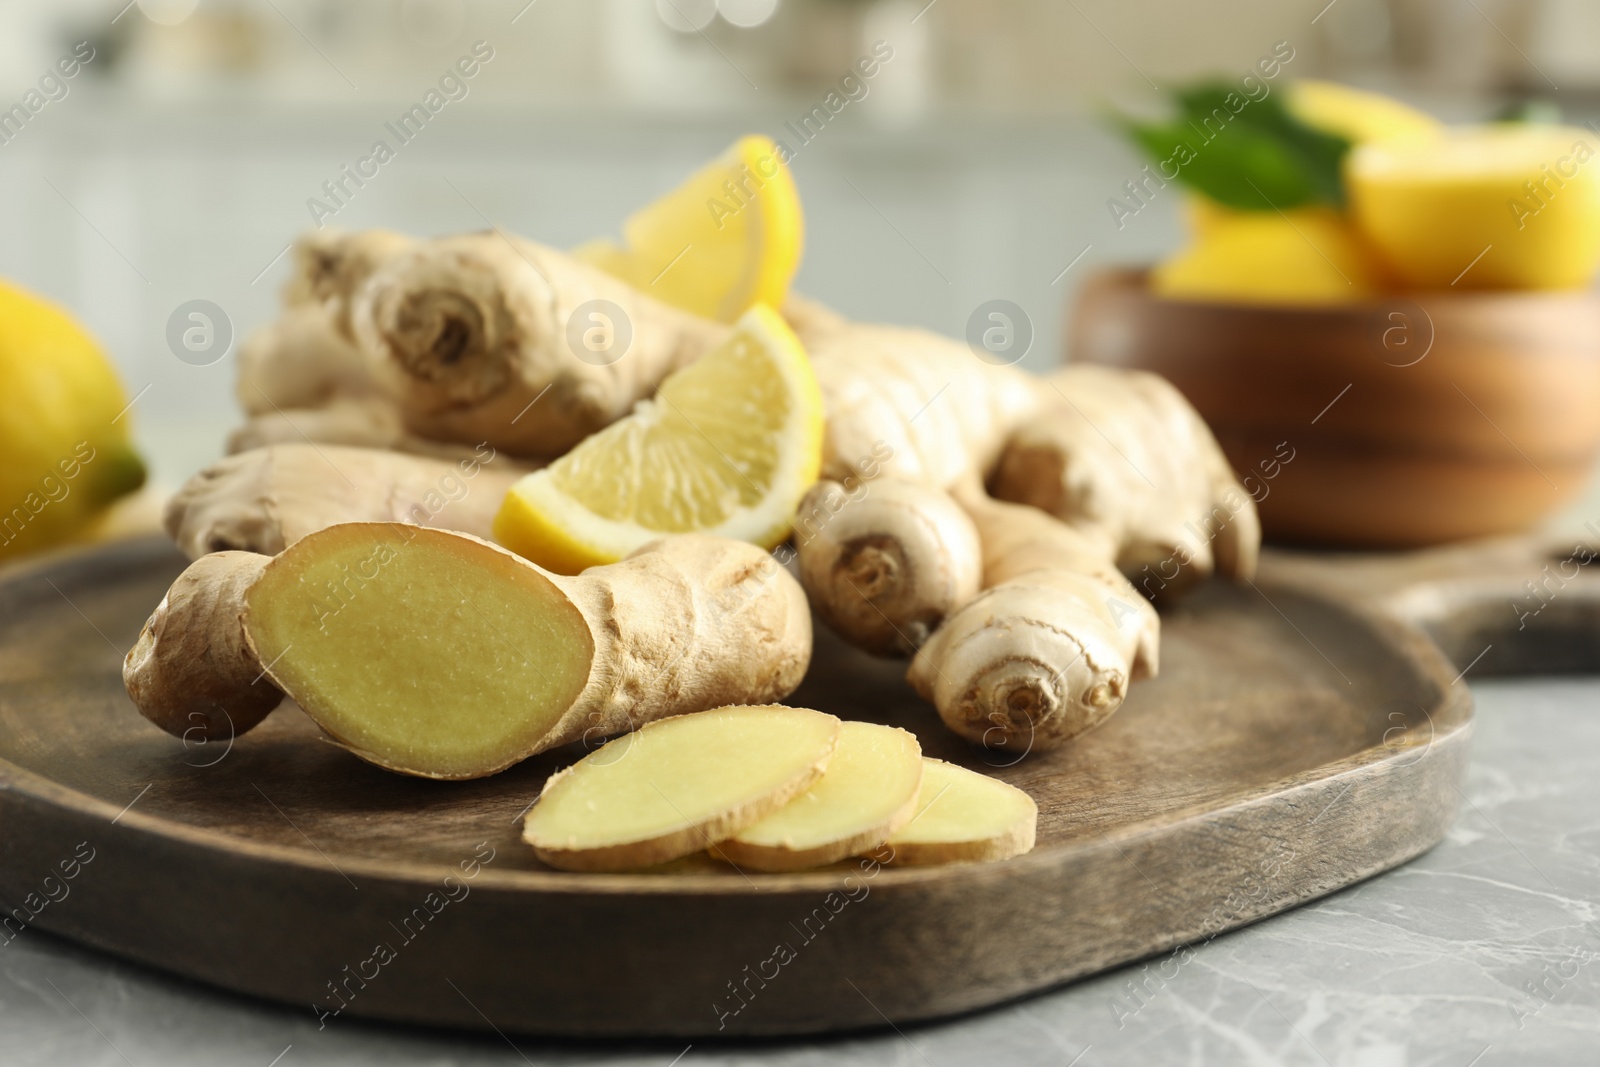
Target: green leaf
[(1547, 112), (1250, 155)]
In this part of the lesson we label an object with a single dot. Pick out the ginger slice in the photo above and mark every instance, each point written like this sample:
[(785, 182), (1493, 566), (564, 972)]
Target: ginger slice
[(678, 785), (867, 793), (964, 817)]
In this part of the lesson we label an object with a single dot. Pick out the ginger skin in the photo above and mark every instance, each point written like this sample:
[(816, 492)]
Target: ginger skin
[(191, 672), (1049, 648), (684, 624), (885, 553), (1122, 457), (301, 377), (885, 564), (330, 266), (267, 499), (932, 410), (466, 333), (307, 358)]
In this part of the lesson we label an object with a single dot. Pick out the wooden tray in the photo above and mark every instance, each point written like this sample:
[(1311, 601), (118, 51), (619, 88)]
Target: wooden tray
[(1295, 742)]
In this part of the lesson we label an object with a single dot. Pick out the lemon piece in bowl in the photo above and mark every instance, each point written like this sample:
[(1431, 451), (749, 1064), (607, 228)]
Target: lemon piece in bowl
[(1493, 207)]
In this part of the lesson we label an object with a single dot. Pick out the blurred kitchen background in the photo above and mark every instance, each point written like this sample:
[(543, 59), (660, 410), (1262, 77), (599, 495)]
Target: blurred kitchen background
[(179, 162)]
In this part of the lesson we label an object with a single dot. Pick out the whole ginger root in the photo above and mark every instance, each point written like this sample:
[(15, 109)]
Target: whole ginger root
[(331, 266), (896, 547), (441, 655), (472, 338), (267, 499), (886, 562), (1050, 646), (1121, 456)]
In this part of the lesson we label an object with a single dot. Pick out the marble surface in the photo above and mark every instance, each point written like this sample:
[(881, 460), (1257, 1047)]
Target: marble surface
[(1484, 952)]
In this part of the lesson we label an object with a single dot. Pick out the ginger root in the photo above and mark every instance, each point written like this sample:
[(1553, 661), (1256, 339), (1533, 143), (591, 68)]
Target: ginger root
[(267, 499), (307, 359), (467, 333), (912, 405), (192, 672), (1121, 456), (1049, 648), (440, 655), (885, 563)]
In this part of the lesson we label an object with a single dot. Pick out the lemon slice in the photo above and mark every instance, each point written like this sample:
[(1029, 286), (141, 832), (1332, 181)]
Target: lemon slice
[(727, 446), (725, 240)]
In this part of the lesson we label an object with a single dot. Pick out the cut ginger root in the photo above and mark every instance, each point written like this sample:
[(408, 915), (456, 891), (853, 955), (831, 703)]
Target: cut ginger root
[(964, 817), (727, 447), (440, 655), (192, 672), (678, 786), (868, 791)]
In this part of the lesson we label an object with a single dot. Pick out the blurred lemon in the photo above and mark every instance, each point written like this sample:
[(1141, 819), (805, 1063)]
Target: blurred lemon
[(1507, 206), (1359, 116), (1299, 257), (728, 446), (62, 457), (1203, 215), (726, 239)]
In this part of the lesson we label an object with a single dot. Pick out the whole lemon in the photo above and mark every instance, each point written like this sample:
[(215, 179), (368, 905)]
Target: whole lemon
[(1358, 116), (64, 451), (1305, 256)]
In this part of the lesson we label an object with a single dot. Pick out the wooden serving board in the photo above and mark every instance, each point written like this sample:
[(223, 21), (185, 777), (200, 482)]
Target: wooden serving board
[(1304, 734)]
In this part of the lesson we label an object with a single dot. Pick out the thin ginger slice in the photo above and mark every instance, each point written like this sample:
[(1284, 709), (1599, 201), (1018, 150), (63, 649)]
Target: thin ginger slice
[(678, 785), (964, 817), (867, 793)]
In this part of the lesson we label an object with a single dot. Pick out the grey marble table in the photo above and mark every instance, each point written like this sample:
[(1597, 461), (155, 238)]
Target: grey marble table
[(1484, 952)]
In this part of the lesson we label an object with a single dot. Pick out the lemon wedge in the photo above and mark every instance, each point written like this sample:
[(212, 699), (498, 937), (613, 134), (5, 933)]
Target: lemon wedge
[(725, 240), (727, 446)]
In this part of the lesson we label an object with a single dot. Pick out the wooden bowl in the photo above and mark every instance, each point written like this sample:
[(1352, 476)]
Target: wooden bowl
[(1426, 418)]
